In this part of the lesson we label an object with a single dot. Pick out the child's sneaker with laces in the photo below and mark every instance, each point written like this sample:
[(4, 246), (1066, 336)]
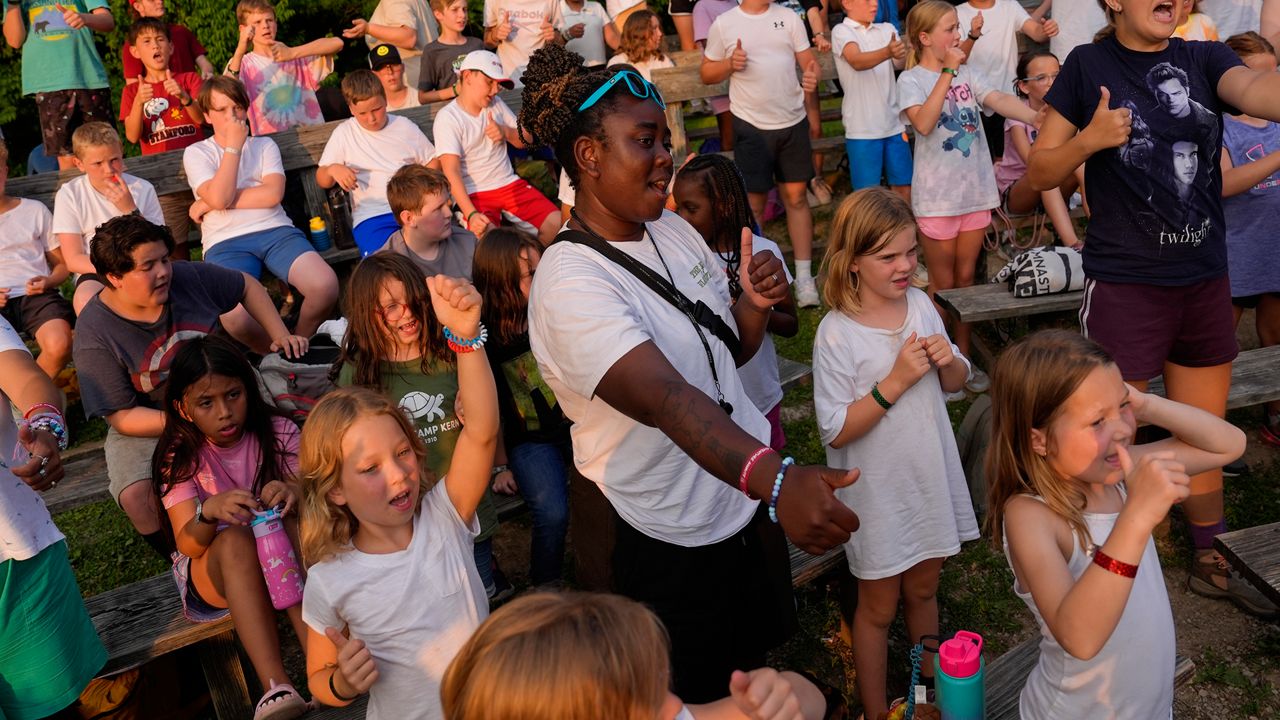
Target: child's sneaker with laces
[(806, 292)]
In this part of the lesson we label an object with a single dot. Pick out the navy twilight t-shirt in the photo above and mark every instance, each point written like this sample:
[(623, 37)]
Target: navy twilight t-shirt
[(1156, 201)]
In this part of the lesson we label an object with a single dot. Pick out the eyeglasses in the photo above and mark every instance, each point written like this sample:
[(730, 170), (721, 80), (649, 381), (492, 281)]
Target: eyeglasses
[(1042, 77), (392, 312), (636, 83)]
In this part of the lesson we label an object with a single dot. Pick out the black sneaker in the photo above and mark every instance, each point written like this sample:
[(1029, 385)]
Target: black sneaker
[(1235, 469)]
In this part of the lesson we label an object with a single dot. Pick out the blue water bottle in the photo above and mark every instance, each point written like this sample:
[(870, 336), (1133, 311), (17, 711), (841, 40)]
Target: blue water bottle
[(320, 234), (958, 669)]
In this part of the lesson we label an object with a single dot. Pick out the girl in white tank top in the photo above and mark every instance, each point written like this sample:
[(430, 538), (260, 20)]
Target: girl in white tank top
[(1073, 503)]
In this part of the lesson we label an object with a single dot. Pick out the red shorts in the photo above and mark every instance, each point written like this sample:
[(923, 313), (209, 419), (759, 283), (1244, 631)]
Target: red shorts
[(519, 199)]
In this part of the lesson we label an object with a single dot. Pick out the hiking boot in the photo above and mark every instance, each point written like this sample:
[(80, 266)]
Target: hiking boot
[(806, 292), (1212, 577)]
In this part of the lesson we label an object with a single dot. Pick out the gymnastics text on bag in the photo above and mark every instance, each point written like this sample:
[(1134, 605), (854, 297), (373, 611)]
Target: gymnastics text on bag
[(1043, 271)]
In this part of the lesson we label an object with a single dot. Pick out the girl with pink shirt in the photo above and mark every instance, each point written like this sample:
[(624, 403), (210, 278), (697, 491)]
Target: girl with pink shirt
[(224, 454)]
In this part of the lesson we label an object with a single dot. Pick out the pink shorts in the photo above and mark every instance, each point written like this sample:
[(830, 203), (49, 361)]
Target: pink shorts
[(519, 198), (950, 227)]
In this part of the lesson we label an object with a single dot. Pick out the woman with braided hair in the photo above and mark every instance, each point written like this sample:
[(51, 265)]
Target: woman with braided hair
[(661, 422)]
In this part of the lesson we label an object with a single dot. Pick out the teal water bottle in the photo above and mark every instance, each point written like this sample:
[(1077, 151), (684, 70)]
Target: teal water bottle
[(958, 669)]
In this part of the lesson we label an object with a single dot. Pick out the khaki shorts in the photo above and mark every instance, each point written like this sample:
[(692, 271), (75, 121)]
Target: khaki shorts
[(128, 460)]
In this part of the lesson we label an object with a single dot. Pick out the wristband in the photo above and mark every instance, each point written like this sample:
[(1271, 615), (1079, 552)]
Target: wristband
[(973, 38), (334, 690), (777, 488), (461, 345), (497, 470), (467, 222), (53, 410), (751, 463), (236, 151), (1110, 564), (880, 399), (53, 425), (951, 71)]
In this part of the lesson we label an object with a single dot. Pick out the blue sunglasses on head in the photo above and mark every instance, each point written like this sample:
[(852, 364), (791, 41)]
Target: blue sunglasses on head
[(636, 83)]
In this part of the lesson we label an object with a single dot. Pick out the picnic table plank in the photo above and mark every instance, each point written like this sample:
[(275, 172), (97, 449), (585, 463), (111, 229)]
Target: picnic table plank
[(1255, 378), (1255, 552), (993, 301)]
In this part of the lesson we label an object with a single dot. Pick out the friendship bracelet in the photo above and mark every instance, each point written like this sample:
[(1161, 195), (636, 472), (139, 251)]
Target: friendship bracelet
[(951, 71), (467, 222), (461, 345), (334, 690), (53, 425), (52, 409), (1110, 564), (751, 463), (777, 488), (880, 399)]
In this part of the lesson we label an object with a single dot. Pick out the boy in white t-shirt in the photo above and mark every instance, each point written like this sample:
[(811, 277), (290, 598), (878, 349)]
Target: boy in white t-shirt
[(31, 269), (103, 192), (867, 53), (472, 133), (992, 49), (363, 153), (770, 129), (519, 27)]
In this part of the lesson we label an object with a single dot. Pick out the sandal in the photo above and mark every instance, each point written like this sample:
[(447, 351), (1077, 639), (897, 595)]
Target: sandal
[(281, 702)]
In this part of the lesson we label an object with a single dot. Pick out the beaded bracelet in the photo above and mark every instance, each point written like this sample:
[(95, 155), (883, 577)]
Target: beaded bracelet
[(51, 424), (1110, 564), (751, 463), (777, 488), (53, 409), (461, 345)]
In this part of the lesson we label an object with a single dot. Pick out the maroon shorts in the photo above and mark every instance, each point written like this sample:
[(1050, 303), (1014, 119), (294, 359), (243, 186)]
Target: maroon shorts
[(1144, 326), (62, 111)]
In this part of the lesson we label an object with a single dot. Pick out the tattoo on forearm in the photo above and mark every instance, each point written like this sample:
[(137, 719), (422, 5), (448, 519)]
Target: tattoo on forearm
[(695, 423)]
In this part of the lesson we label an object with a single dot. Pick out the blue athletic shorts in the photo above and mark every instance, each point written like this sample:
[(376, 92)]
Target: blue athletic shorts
[(276, 248), (869, 160), (372, 233)]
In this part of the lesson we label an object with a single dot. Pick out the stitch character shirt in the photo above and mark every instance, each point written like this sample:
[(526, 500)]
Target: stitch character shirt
[(1157, 199), (953, 174)]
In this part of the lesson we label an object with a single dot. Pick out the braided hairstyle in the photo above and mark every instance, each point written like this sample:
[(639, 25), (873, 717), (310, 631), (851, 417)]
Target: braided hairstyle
[(555, 84), (722, 184)]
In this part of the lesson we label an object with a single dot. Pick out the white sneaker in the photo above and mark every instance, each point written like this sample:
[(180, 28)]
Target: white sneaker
[(806, 292), (978, 382), (956, 396)]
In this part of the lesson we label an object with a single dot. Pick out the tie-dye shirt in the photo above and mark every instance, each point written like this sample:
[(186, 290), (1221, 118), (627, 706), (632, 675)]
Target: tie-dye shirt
[(282, 95)]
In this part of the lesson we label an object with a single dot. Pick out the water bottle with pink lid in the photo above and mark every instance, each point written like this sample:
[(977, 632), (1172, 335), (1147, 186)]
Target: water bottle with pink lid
[(279, 563), (958, 669)]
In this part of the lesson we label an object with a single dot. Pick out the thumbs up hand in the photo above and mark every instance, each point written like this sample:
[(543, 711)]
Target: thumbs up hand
[(1155, 483), (546, 31), (492, 129), (1109, 127), (171, 86), (809, 78), (503, 30), (71, 17), (975, 27), (764, 284), (738, 58), (897, 48), (356, 671), (1050, 27)]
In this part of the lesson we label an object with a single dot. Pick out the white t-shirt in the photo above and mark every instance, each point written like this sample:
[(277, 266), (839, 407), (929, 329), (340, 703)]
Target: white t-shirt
[(259, 158), (1233, 16), (565, 193), (1078, 22), (375, 157), (870, 105), (485, 165), (410, 100), (912, 496), (994, 58), (646, 68), (24, 239), (413, 609), (414, 14), (25, 524), (591, 45), (78, 209), (767, 93), (952, 172), (760, 374), (585, 313), (526, 18)]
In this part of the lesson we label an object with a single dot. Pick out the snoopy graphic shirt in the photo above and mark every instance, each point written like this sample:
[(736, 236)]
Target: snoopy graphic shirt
[(952, 173), (1156, 200), (165, 122)]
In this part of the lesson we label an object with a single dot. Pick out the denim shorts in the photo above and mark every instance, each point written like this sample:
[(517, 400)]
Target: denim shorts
[(277, 249)]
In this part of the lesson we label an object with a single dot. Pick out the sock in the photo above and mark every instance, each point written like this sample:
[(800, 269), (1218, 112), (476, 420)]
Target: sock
[(1202, 535), (161, 542), (804, 269)]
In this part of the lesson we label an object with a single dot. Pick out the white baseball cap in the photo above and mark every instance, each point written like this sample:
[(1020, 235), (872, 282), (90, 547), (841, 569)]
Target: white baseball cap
[(487, 63)]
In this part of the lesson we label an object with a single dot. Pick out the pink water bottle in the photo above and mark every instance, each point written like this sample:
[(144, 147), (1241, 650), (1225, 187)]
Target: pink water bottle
[(279, 563)]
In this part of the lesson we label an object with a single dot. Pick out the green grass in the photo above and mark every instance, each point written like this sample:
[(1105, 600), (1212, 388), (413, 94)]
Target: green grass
[(106, 552)]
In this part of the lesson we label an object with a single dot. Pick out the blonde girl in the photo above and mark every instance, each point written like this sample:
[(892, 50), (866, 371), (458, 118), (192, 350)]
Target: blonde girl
[(1073, 503), (582, 656), (1142, 111), (389, 550), (954, 187), (641, 45), (882, 362)]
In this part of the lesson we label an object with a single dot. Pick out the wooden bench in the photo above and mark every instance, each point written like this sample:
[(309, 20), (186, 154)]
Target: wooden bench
[(993, 301), (1255, 553), (1255, 378), (1006, 675)]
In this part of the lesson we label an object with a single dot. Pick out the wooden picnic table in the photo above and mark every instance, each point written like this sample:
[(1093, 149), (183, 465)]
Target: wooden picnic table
[(1255, 553)]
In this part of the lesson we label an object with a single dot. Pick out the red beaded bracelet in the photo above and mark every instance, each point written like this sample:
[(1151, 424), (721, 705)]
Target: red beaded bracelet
[(1110, 564), (746, 469)]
